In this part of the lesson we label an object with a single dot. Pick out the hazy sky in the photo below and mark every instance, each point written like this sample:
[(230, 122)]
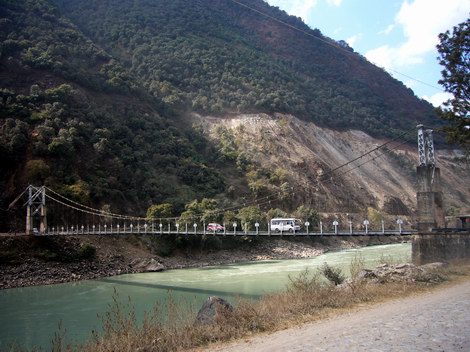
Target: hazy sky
[(397, 35)]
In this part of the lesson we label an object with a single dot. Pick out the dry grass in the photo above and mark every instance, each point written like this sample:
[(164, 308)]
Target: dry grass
[(308, 297)]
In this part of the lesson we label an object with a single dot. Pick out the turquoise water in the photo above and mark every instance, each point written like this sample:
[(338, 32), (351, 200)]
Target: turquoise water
[(31, 315)]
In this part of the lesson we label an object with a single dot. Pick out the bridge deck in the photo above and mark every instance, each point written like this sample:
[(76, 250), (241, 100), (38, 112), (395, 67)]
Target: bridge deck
[(227, 233)]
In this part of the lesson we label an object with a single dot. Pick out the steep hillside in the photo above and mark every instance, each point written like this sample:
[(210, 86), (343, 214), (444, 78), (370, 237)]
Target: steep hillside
[(303, 155), (219, 57), (99, 100), (73, 118)]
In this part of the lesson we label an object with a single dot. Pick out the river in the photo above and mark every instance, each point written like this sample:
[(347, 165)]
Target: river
[(32, 315)]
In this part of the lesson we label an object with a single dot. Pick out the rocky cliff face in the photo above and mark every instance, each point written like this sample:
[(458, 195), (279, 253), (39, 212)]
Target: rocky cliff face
[(307, 156)]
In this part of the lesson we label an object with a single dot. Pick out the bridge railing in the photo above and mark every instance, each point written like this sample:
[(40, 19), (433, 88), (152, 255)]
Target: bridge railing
[(132, 230)]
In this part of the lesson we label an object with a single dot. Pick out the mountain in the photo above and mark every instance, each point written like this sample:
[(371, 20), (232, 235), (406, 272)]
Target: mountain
[(105, 101), (219, 57), (73, 117)]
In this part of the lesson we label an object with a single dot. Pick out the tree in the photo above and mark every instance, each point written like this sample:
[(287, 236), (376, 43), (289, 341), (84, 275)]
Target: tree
[(307, 214), (275, 213), (454, 55), (249, 216), (375, 217), (79, 191), (158, 211), (37, 170), (204, 211), (229, 218)]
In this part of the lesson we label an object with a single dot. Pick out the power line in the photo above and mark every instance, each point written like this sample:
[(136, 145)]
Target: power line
[(328, 42), (371, 151), (416, 80), (376, 157), (280, 195)]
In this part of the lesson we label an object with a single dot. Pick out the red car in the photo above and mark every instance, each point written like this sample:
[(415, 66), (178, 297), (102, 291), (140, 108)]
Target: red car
[(213, 227)]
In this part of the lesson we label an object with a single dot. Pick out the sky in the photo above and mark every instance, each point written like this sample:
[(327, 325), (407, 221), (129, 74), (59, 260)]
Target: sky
[(397, 35)]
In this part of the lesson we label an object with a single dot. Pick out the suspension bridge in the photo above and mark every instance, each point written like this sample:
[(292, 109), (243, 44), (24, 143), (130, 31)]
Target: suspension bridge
[(49, 213), (72, 218)]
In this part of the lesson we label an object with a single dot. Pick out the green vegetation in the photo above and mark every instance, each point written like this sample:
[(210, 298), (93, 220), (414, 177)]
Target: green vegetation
[(87, 251), (375, 217), (93, 97), (334, 275), (200, 212), (307, 214), (453, 54), (158, 211), (99, 137), (249, 216), (216, 57)]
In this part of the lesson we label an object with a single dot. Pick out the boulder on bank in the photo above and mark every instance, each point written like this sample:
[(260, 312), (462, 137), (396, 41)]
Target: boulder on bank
[(147, 265), (212, 310)]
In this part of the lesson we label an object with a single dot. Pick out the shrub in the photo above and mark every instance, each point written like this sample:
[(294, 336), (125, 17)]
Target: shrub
[(334, 275), (36, 170), (87, 251)]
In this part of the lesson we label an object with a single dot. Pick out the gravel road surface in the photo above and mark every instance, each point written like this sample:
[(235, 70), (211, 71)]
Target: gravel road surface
[(435, 321)]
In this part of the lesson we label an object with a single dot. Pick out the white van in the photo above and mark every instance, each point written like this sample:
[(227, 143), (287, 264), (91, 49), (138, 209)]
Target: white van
[(285, 225)]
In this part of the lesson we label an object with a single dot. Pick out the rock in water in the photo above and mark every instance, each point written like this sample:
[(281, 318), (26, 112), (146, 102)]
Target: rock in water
[(213, 309), (154, 266), (147, 265)]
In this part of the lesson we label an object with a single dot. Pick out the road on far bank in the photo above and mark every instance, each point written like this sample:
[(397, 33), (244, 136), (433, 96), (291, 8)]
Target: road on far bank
[(435, 321)]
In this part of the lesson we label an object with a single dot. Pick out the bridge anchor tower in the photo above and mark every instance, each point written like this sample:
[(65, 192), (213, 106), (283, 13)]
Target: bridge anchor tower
[(429, 195), (36, 205)]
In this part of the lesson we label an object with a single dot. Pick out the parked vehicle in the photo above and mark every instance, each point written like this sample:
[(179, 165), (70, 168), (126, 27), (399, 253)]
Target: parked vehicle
[(214, 227), (285, 225)]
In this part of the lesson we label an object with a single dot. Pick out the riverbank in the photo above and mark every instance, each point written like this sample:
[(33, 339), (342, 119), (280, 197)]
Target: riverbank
[(35, 260), (432, 321), (308, 298)]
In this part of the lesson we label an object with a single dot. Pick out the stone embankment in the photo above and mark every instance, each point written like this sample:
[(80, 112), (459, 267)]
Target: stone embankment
[(29, 261)]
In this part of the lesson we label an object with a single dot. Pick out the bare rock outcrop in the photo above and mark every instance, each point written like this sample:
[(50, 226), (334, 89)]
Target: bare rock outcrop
[(403, 273)]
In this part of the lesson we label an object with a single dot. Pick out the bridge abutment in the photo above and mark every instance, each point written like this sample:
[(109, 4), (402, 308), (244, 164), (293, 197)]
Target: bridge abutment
[(441, 245), (444, 247)]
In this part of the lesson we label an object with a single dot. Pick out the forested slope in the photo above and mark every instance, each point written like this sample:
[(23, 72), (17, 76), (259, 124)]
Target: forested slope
[(95, 95), (73, 118), (215, 56)]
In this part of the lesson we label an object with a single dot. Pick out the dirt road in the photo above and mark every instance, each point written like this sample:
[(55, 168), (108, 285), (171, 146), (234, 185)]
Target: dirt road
[(435, 321)]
